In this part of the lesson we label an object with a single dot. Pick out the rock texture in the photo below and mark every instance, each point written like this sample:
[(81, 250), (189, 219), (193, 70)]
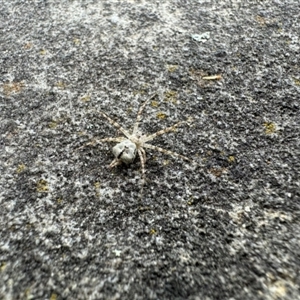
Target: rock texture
[(224, 227)]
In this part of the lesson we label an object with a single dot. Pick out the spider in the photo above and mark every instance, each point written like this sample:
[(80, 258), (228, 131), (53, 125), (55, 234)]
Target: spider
[(131, 144)]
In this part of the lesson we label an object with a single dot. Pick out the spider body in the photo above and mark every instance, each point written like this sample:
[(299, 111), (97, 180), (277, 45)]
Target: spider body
[(127, 147), (125, 151)]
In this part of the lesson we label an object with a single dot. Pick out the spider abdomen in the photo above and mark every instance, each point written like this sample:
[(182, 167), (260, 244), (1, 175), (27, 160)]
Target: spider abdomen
[(125, 151)]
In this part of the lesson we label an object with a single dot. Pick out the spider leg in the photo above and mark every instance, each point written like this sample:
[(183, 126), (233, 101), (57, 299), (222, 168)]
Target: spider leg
[(95, 141), (166, 151), (115, 124), (116, 140), (139, 115), (163, 131), (142, 155), (115, 163)]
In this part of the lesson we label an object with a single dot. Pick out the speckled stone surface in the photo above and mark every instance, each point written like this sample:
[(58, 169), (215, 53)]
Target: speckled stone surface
[(224, 227)]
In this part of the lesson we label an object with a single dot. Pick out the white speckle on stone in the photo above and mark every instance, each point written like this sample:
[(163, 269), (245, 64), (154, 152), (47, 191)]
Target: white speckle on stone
[(203, 37)]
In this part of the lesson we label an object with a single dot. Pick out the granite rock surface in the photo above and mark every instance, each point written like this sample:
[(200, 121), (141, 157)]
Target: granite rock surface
[(225, 225)]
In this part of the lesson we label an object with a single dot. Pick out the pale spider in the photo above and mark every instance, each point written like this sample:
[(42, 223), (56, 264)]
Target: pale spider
[(135, 143)]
